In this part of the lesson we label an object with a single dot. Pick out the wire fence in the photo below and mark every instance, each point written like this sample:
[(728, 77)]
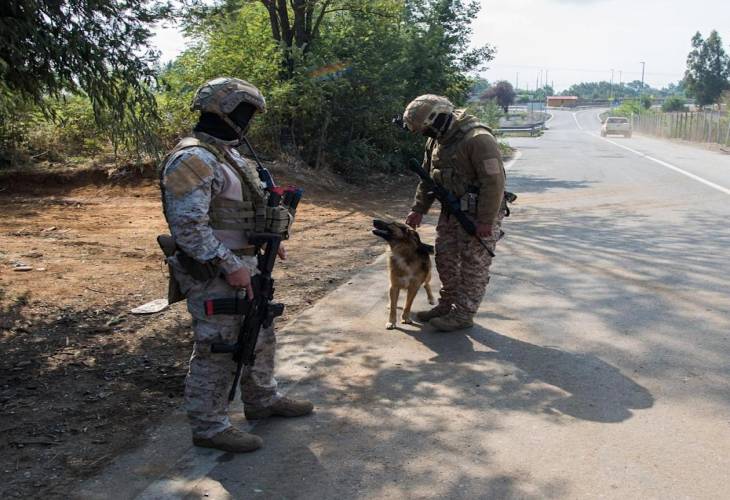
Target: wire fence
[(705, 126)]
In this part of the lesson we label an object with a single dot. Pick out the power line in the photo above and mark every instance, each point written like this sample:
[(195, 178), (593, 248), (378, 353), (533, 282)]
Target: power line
[(582, 70)]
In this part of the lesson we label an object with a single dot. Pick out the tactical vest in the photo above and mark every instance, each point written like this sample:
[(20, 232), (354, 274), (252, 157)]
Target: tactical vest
[(250, 213), (442, 161)]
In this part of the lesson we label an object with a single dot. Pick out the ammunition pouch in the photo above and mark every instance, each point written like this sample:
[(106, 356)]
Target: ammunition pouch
[(243, 216), (233, 215), (470, 201), (278, 220), (197, 270)]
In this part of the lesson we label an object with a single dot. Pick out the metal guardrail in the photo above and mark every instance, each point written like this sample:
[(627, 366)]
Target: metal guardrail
[(533, 129)]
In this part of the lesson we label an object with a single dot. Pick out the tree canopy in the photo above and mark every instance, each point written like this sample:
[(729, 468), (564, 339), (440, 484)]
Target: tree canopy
[(331, 98), (50, 48), (503, 93), (334, 72), (708, 69)]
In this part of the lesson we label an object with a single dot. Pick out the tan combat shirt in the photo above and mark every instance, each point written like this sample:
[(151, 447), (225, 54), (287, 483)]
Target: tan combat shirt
[(462, 160)]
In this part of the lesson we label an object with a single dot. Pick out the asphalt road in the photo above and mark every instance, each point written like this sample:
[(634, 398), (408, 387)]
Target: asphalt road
[(598, 368)]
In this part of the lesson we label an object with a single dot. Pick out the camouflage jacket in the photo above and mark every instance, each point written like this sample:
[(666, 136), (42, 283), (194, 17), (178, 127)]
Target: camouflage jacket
[(466, 158)]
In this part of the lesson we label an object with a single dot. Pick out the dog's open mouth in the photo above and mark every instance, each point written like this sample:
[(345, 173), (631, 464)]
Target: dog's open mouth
[(381, 229)]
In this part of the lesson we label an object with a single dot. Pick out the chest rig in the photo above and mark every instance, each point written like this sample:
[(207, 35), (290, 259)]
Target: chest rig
[(256, 211), (443, 160)]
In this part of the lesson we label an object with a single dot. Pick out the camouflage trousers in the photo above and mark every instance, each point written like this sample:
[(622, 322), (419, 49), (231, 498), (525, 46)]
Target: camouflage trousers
[(210, 375), (463, 264)]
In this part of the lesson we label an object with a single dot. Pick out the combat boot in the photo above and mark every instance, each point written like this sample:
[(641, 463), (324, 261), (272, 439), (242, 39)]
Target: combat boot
[(231, 440), (455, 320), (283, 407), (434, 312)]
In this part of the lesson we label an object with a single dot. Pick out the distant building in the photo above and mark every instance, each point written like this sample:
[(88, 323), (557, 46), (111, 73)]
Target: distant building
[(562, 101)]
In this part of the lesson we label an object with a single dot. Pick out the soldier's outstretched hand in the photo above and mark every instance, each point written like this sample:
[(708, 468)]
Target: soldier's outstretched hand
[(240, 279), (414, 219)]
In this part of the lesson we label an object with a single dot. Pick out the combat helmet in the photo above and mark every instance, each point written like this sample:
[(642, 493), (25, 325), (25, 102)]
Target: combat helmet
[(422, 111), (222, 95)]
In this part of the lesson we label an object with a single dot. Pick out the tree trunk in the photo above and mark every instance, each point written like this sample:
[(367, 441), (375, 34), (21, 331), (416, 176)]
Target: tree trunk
[(322, 141)]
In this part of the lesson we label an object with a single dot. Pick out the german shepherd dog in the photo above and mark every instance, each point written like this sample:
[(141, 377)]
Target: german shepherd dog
[(409, 265)]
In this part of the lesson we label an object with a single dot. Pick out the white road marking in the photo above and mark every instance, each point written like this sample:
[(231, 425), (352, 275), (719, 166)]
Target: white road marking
[(552, 115), (668, 165), (575, 117), (663, 163)]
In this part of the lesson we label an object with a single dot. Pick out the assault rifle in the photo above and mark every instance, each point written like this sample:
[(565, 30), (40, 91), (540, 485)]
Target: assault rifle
[(258, 313), (449, 202)]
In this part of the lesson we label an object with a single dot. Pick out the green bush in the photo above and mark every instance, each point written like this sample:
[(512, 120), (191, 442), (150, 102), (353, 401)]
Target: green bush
[(673, 104), (488, 113), (628, 109), (69, 130)]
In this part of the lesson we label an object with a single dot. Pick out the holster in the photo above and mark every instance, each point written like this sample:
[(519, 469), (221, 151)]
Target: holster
[(167, 244), (198, 270)]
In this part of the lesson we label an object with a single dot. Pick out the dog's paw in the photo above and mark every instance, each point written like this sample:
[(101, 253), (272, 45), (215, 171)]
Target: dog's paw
[(432, 302), (390, 326), (406, 321)]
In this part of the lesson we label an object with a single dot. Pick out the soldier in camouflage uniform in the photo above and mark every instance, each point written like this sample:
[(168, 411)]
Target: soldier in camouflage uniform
[(210, 196), (463, 156)]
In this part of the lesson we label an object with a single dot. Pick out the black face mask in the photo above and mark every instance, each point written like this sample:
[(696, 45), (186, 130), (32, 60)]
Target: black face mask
[(215, 126), (242, 115)]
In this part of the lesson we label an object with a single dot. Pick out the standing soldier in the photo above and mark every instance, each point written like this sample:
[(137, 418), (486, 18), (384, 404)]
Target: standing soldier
[(463, 157), (212, 199)]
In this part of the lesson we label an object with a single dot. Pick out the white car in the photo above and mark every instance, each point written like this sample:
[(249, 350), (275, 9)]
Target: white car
[(616, 125)]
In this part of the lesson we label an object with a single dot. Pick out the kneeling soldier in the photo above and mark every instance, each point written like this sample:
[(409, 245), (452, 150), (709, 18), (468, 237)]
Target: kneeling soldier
[(212, 199)]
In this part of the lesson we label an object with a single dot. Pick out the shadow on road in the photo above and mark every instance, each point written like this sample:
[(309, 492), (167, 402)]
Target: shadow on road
[(535, 184), (581, 385)]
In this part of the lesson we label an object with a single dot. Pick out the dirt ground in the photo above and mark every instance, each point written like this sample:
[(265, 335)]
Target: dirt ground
[(81, 377)]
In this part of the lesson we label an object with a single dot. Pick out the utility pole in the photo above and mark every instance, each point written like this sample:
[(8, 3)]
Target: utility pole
[(517, 81), (610, 90), (643, 67)]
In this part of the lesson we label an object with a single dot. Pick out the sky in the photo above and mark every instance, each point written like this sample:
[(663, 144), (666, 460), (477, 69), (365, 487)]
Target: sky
[(577, 40), (583, 40)]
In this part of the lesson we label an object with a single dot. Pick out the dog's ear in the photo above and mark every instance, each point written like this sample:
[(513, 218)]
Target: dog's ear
[(426, 249), (423, 248)]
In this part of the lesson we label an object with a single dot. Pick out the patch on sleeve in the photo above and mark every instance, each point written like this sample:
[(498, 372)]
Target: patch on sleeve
[(492, 166), (190, 173)]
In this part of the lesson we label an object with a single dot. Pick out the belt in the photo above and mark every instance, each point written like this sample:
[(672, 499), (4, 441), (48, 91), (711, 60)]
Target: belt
[(245, 251)]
